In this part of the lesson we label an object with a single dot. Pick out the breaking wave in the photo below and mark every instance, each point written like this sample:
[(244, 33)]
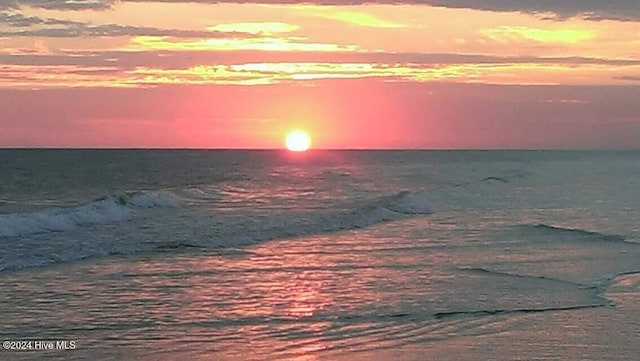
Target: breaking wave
[(401, 205), (211, 231), (105, 210)]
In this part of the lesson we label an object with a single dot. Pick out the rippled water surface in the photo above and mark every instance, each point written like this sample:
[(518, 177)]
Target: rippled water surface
[(501, 256)]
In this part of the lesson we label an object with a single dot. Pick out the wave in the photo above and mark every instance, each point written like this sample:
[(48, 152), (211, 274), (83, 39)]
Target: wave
[(404, 202), (487, 271), (401, 205), (562, 233), (104, 210), (212, 231), (475, 313), (495, 179)]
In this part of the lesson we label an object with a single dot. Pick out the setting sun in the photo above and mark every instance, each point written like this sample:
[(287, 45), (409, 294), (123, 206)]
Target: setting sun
[(298, 141)]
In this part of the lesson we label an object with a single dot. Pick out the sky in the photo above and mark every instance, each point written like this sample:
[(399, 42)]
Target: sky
[(426, 74)]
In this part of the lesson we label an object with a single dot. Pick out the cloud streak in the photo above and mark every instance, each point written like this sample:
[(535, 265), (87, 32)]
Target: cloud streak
[(348, 16), (112, 30), (505, 34), (588, 9), (19, 25), (258, 28), (18, 20), (631, 78), (257, 43), (58, 4), (624, 10), (184, 59), (254, 73)]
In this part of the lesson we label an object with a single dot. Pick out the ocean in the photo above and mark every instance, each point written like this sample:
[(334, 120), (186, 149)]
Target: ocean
[(321, 255)]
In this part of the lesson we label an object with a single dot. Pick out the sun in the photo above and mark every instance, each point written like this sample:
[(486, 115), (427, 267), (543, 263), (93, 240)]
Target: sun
[(298, 141)]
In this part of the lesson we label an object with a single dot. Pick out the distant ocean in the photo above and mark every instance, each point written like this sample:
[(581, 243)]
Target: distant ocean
[(322, 255)]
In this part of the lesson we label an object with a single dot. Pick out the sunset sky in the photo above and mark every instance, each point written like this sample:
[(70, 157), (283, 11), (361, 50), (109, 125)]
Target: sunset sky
[(355, 74)]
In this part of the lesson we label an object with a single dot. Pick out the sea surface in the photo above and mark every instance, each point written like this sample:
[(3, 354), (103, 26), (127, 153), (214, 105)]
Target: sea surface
[(322, 255)]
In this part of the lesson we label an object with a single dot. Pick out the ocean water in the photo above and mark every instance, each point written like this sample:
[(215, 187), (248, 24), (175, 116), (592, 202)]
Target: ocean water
[(323, 255)]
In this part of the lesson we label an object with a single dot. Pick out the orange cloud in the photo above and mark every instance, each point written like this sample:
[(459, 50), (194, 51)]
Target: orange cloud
[(21, 76), (505, 34), (263, 28), (260, 43)]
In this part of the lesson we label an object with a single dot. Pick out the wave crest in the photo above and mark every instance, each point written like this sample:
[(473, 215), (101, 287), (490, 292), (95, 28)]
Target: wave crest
[(404, 202), (567, 234), (105, 210)]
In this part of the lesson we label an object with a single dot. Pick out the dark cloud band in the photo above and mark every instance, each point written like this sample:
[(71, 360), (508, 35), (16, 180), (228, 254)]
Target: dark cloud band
[(184, 59), (626, 10), (112, 30), (23, 25), (58, 4)]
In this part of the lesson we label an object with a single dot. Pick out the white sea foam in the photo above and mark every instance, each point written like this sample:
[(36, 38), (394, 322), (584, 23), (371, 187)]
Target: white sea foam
[(114, 208)]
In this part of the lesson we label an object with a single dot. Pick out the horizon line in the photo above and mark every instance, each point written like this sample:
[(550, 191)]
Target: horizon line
[(312, 149)]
